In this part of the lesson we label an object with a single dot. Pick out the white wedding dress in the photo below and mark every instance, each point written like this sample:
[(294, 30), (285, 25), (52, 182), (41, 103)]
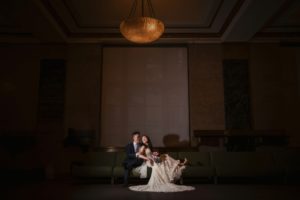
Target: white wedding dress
[(163, 175)]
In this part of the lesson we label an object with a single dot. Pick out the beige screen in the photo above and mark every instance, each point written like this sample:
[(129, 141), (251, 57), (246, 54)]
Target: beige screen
[(144, 89)]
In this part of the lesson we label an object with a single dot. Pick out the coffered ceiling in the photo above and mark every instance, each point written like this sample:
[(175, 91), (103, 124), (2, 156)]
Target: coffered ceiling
[(285, 22), (76, 21)]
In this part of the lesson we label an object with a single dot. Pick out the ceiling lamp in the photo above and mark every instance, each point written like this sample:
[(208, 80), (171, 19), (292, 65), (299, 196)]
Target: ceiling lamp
[(142, 27)]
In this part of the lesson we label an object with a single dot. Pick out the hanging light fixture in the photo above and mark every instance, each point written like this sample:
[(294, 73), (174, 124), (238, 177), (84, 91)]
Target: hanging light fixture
[(141, 28)]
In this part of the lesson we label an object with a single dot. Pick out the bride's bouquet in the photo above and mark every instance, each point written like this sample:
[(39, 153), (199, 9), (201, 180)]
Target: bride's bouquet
[(156, 157)]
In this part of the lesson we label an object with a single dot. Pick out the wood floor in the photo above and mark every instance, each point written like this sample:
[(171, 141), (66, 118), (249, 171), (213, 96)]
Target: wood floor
[(64, 190)]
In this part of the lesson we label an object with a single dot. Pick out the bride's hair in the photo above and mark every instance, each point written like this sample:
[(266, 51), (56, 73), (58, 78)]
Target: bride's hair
[(141, 146), (149, 145)]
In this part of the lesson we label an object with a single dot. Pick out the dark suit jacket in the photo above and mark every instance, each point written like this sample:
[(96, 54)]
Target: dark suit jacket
[(131, 160)]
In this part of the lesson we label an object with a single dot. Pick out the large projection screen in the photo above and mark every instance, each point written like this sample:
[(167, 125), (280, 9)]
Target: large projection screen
[(144, 89)]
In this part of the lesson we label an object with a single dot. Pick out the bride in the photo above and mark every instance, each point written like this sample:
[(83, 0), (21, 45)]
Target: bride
[(165, 171)]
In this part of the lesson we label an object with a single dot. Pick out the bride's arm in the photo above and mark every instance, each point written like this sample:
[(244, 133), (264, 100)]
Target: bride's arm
[(143, 157)]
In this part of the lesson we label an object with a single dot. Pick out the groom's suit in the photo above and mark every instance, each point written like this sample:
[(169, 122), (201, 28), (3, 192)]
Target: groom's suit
[(131, 160)]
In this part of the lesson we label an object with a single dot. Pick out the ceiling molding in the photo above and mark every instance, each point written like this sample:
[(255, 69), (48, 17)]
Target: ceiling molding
[(182, 33), (231, 15), (211, 21), (270, 30), (201, 21), (252, 18)]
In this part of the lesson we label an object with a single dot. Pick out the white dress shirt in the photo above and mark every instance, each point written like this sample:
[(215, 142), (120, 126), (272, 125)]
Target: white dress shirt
[(135, 146), (136, 149)]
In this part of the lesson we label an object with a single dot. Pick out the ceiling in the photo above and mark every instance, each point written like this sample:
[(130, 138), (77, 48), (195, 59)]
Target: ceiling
[(91, 21)]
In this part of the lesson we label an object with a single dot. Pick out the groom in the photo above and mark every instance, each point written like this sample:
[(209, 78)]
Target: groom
[(132, 159)]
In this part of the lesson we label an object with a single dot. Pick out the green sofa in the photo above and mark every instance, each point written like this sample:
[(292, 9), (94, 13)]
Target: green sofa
[(96, 165), (118, 169), (289, 162), (200, 165), (282, 165), (102, 165), (245, 164)]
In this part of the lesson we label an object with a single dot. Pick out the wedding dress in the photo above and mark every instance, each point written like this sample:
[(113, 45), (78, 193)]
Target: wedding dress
[(163, 175)]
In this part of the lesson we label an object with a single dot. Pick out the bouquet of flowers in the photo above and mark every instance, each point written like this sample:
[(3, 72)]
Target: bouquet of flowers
[(156, 157)]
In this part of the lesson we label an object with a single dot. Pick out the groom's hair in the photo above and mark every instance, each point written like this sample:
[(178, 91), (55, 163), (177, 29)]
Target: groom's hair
[(136, 133)]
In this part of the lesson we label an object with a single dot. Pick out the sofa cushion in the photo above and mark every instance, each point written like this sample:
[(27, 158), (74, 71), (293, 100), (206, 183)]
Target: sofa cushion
[(289, 162), (199, 159), (92, 171), (244, 164), (199, 164), (198, 171), (100, 158)]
